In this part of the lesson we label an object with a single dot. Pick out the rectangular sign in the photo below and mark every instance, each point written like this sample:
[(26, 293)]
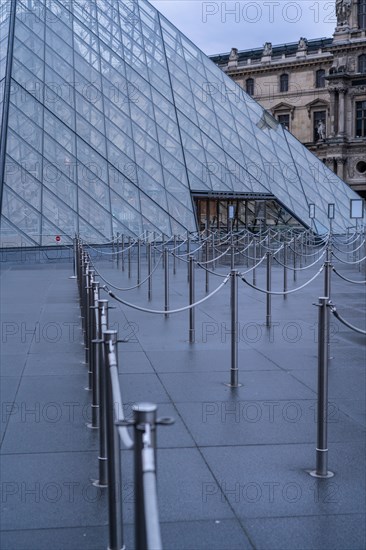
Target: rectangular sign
[(356, 207)]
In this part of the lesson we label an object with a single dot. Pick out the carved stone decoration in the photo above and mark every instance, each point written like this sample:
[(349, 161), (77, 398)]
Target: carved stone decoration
[(267, 49), (233, 58), (321, 130), (302, 45), (343, 11)]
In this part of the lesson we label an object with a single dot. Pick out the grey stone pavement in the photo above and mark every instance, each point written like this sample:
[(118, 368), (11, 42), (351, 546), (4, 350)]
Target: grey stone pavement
[(232, 470)]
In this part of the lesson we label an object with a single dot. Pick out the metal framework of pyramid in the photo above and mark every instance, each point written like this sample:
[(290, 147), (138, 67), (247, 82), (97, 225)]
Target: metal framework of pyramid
[(112, 119)]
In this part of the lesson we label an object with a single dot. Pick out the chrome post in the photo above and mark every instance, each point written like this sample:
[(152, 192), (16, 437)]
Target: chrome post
[(117, 246), (234, 371), (75, 257), (268, 288), (145, 461), (207, 275), (174, 257), (255, 261), (122, 252), (322, 407), (188, 252), (113, 452), (192, 331), (166, 280), (102, 458), (285, 270), (94, 358), (328, 271), (129, 257), (149, 269), (89, 324), (138, 261)]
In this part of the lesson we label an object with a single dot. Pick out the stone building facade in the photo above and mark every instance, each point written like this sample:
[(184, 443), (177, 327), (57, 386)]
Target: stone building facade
[(317, 89)]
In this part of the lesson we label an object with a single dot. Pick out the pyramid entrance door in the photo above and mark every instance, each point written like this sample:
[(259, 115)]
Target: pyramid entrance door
[(219, 213)]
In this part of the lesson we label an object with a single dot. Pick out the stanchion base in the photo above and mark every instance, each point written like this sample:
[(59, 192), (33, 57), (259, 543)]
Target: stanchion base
[(73, 277), (96, 483), (90, 425), (88, 389), (313, 473), (233, 386)]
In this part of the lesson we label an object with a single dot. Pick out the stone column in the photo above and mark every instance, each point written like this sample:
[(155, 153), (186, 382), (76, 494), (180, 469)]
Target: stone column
[(332, 113), (341, 112), (341, 163)]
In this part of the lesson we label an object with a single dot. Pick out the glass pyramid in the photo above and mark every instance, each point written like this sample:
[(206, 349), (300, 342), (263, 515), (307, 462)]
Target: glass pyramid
[(112, 118)]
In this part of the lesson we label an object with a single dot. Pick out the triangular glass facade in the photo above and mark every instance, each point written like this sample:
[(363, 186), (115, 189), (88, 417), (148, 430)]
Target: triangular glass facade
[(115, 118)]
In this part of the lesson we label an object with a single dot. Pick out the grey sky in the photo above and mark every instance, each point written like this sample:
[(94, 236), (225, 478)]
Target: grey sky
[(217, 26)]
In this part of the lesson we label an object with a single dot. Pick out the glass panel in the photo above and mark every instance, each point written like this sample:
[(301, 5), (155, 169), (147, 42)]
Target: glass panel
[(21, 181), (24, 127), (55, 128), (21, 214)]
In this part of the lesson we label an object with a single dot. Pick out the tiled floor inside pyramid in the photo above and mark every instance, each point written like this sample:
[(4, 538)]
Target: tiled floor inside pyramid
[(233, 469)]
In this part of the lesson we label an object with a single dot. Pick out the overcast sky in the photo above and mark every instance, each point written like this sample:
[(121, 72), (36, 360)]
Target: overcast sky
[(217, 26)]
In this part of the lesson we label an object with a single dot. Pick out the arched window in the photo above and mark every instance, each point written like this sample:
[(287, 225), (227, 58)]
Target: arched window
[(249, 84), (320, 79), (362, 14), (284, 83), (362, 63)]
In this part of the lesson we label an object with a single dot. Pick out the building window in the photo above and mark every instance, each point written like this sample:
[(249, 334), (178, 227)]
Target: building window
[(319, 125), (362, 14), (361, 118), (362, 63), (284, 83), (284, 120), (320, 79), (250, 86)]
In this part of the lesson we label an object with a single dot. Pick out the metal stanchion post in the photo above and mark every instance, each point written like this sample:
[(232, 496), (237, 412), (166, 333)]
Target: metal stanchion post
[(102, 458), (138, 261), (149, 269), (192, 331), (166, 280), (89, 324), (285, 270), (94, 358), (328, 271), (74, 249), (122, 252), (207, 275), (188, 251), (269, 287), (234, 371), (213, 250), (145, 460), (113, 452), (129, 257), (294, 266), (174, 257), (117, 246), (163, 248), (322, 408), (254, 261), (232, 257)]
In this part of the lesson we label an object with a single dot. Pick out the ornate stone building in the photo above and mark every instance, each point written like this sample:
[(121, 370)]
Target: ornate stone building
[(317, 89)]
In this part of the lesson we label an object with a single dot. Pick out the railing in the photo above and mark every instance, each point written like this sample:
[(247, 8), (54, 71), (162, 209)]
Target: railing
[(291, 251), (101, 357)]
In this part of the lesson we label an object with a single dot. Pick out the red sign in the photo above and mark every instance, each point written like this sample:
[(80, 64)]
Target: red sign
[(58, 238)]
